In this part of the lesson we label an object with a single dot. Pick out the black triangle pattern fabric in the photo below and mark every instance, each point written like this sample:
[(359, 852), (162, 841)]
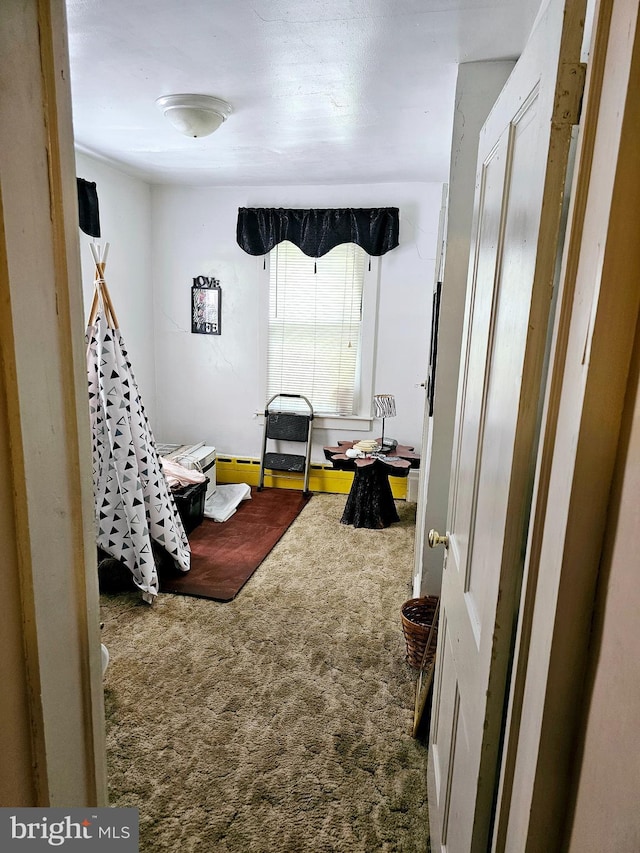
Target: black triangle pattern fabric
[(134, 505)]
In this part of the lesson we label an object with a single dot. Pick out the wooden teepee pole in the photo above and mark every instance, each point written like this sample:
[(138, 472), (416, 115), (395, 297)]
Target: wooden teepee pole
[(101, 289)]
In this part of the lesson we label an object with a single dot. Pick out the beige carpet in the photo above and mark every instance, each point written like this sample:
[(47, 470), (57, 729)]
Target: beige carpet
[(279, 722)]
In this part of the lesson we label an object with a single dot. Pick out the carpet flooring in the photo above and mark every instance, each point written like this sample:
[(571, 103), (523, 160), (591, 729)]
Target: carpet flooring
[(279, 722), (225, 555)]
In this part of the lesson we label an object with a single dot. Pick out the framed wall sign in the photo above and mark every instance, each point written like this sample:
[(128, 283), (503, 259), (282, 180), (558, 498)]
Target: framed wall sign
[(206, 306)]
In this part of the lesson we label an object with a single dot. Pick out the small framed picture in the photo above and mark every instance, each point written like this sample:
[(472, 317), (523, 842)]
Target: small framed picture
[(206, 306)]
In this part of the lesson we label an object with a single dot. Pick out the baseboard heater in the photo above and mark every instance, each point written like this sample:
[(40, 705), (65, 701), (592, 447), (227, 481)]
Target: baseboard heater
[(322, 478)]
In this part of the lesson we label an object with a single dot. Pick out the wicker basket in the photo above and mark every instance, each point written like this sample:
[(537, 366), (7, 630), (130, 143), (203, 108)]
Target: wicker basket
[(417, 620)]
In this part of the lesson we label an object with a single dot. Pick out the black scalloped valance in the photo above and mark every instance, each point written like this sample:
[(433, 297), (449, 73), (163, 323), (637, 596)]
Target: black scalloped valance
[(316, 232)]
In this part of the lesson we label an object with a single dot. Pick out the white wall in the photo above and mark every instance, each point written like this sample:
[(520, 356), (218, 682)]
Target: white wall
[(209, 386), (125, 220)]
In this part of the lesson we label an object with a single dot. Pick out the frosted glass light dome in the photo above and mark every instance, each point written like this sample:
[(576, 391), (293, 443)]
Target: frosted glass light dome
[(194, 115)]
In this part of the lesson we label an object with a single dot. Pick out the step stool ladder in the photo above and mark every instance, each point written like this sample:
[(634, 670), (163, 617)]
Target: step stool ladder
[(287, 426)]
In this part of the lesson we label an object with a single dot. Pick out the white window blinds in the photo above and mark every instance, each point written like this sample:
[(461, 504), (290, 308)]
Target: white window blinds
[(315, 314)]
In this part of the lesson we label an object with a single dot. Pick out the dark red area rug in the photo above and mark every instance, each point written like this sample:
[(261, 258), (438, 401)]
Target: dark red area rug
[(225, 554)]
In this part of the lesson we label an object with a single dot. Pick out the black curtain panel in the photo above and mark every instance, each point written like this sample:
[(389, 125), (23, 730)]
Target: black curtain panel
[(88, 212), (316, 232)]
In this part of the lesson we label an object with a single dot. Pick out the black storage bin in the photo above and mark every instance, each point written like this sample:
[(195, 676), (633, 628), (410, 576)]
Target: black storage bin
[(190, 502)]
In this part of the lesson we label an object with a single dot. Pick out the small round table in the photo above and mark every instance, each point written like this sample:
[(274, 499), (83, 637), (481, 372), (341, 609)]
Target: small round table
[(370, 502)]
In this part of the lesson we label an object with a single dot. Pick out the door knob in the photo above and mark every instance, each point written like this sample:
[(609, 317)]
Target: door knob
[(435, 539)]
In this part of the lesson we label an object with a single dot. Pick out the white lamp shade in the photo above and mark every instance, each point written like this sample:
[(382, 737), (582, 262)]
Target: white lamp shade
[(194, 115), (384, 405)]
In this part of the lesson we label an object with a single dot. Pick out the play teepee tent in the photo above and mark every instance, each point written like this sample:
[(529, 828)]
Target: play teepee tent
[(134, 506)]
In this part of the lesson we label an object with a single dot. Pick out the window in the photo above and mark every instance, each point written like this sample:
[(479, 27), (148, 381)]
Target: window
[(316, 326)]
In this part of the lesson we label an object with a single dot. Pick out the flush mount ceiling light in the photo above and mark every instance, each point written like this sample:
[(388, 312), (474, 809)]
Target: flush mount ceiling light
[(194, 115)]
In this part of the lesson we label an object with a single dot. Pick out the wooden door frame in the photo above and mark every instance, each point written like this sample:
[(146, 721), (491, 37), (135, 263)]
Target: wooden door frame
[(48, 511), (594, 331)]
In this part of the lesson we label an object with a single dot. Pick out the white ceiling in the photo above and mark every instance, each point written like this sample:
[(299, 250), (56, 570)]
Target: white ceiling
[(323, 91)]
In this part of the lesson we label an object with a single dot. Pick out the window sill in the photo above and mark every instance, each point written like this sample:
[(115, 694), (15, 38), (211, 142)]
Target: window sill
[(355, 423), (343, 422)]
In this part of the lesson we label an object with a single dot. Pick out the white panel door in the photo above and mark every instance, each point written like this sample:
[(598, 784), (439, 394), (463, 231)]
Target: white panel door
[(522, 160), (429, 387)]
